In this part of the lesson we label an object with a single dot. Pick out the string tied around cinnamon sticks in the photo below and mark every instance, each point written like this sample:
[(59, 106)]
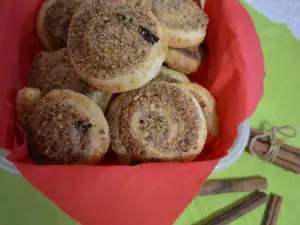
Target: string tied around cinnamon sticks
[(275, 143)]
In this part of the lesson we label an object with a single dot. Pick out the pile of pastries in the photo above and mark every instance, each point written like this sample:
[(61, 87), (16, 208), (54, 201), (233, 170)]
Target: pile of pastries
[(113, 76)]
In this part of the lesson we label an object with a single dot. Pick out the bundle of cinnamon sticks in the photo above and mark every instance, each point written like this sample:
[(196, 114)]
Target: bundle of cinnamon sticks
[(245, 205), (287, 158)]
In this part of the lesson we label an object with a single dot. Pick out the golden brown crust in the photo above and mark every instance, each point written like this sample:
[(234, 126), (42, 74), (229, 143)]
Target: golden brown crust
[(158, 122), (53, 21), (179, 39), (41, 33), (184, 60), (67, 128), (25, 102), (116, 63), (183, 21), (172, 76), (208, 104)]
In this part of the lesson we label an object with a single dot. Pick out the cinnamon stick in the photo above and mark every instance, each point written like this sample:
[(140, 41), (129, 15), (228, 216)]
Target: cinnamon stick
[(254, 132), (261, 148), (273, 210), (283, 160), (212, 187), (254, 201), (287, 166)]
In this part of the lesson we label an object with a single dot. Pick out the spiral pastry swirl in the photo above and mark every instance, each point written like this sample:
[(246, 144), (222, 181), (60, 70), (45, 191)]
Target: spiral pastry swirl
[(116, 49), (67, 128), (158, 122)]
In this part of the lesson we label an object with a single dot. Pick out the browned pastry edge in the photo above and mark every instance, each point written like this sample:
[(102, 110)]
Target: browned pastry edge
[(45, 38), (183, 61), (170, 75), (25, 102), (42, 34), (208, 105)]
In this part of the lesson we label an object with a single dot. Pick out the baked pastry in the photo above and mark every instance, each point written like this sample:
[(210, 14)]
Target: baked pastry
[(134, 3), (53, 70), (116, 49), (172, 76), (67, 128), (158, 122), (183, 21), (208, 104), (26, 100), (186, 60), (53, 22)]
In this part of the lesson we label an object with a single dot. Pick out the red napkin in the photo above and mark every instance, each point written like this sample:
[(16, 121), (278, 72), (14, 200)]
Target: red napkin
[(149, 193)]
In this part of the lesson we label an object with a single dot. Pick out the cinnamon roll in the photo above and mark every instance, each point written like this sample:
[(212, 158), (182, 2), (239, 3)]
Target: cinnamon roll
[(169, 75), (53, 22), (53, 70), (186, 60), (26, 99), (67, 128), (208, 104), (158, 122), (116, 49), (183, 21)]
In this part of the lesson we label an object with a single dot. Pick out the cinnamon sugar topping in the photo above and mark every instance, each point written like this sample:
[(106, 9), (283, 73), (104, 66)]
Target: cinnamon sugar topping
[(179, 14), (54, 71), (108, 41), (59, 133)]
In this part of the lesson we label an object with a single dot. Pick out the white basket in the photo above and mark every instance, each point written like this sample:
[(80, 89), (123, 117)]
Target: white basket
[(6, 165), (235, 152)]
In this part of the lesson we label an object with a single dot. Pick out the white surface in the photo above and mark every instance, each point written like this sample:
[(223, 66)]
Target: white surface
[(280, 12), (6, 165)]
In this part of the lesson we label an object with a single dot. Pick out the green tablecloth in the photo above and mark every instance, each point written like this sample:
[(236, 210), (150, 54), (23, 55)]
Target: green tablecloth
[(20, 203)]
